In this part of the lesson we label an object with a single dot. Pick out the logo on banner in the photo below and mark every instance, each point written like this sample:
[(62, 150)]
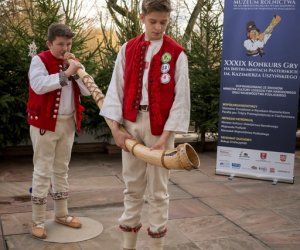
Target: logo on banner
[(256, 39), (263, 155), (244, 155), (282, 158), (224, 164), (263, 169), (236, 165)]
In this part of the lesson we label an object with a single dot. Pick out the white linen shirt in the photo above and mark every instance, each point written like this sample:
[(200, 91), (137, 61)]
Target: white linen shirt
[(41, 82), (255, 44), (179, 117)]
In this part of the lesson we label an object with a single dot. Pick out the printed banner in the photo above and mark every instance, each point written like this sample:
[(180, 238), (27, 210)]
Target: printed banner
[(259, 89)]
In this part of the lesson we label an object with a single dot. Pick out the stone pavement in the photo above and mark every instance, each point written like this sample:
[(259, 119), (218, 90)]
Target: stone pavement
[(207, 211)]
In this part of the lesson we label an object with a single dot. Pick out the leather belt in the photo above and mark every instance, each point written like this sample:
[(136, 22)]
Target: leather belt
[(144, 108)]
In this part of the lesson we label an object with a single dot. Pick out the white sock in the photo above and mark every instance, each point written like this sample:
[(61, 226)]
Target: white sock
[(39, 214), (129, 240), (157, 243), (61, 208)]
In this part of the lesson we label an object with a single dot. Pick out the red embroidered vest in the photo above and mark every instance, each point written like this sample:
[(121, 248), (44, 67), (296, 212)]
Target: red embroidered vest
[(161, 80), (43, 109)]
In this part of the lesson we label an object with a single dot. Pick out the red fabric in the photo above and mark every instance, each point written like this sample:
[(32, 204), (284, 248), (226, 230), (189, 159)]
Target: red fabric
[(130, 229), (43, 109), (160, 95), (159, 234)]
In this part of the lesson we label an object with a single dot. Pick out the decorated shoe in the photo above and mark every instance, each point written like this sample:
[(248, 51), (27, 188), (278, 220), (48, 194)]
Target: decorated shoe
[(68, 220), (38, 231)]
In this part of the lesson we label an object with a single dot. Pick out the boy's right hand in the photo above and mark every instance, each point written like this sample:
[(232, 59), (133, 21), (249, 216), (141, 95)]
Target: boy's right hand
[(73, 67), (120, 135), (261, 36)]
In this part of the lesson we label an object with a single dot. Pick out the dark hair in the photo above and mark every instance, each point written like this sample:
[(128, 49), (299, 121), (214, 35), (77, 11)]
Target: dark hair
[(149, 6), (59, 29), (251, 26)]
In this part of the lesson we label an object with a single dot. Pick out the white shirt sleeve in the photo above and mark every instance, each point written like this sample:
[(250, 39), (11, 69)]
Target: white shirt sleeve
[(266, 38), (113, 101), (254, 45), (40, 80), (41, 83), (179, 117)]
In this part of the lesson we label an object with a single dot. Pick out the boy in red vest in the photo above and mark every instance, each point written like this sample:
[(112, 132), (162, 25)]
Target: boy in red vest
[(54, 112), (149, 95)]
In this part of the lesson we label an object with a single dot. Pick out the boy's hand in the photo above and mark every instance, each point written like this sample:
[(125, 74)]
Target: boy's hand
[(119, 135), (73, 67), (162, 141), (261, 36), (68, 56)]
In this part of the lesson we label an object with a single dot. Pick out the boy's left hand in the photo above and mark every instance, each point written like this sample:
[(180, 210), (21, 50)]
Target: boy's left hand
[(69, 55), (162, 141), (159, 145)]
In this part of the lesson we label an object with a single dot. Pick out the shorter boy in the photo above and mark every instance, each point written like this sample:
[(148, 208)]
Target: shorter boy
[(54, 110)]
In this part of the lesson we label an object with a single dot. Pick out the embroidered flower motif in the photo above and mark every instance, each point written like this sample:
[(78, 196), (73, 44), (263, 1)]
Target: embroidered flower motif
[(38, 200), (59, 195), (130, 229), (159, 234)]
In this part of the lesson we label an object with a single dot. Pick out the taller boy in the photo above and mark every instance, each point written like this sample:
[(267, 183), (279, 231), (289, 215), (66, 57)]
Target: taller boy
[(149, 95)]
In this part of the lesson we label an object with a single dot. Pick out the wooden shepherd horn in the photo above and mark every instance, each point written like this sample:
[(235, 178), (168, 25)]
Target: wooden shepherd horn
[(181, 157)]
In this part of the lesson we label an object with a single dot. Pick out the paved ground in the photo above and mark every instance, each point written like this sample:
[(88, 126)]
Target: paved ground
[(207, 211)]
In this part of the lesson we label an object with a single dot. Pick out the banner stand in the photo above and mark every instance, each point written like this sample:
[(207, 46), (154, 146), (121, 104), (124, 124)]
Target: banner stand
[(259, 90)]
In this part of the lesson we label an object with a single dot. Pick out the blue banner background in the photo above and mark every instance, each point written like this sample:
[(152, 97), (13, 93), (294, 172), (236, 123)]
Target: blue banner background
[(283, 46)]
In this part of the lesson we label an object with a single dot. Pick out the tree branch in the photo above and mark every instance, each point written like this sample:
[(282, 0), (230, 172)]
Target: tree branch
[(192, 20)]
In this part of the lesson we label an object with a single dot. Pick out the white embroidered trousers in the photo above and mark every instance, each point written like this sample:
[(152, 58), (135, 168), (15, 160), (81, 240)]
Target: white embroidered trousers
[(144, 180), (52, 154)]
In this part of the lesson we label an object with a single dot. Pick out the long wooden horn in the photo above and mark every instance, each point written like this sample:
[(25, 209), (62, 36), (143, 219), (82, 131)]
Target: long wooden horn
[(181, 157)]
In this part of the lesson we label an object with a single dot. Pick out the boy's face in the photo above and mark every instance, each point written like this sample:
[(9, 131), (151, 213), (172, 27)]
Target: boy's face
[(60, 46), (155, 24), (253, 34)]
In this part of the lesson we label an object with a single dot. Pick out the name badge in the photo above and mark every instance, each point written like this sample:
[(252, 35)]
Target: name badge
[(165, 68), (165, 78), (166, 57)]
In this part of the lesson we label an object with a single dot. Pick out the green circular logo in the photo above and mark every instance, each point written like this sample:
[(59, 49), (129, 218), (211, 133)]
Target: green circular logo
[(166, 57)]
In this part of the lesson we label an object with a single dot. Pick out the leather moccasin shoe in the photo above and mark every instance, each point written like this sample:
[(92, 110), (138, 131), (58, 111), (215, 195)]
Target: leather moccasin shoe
[(68, 220), (38, 231)]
